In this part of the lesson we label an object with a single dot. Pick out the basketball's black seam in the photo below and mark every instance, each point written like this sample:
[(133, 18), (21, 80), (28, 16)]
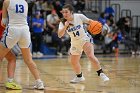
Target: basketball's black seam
[(98, 29), (94, 26)]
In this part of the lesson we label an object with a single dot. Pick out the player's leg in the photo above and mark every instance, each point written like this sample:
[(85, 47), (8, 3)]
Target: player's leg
[(89, 51), (11, 58), (27, 56), (7, 42), (3, 51), (10, 84), (75, 55), (74, 59), (24, 44)]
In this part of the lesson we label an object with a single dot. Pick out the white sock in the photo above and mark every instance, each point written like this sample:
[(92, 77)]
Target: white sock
[(10, 79)]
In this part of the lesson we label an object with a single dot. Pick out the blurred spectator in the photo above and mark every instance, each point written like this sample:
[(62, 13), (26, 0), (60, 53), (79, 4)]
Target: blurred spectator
[(66, 42), (105, 24), (117, 39), (138, 40), (59, 43), (58, 7), (30, 8), (108, 43), (112, 40), (110, 19), (79, 5), (62, 2), (37, 27), (105, 30), (124, 26), (138, 37), (52, 22), (109, 10), (102, 18), (47, 6), (38, 4), (127, 24), (130, 43)]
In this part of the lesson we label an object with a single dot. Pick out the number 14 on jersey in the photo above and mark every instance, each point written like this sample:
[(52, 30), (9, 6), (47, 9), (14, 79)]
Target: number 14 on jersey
[(76, 33)]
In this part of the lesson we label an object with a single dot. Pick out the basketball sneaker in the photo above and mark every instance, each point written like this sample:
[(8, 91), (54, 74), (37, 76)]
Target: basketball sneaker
[(39, 85), (77, 79), (104, 77), (12, 85)]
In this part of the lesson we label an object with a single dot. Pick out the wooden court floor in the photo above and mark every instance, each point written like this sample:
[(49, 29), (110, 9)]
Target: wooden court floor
[(56, 72)]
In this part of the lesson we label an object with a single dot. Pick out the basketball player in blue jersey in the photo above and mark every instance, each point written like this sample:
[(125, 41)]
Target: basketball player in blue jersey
[(80, 41), (17, 31)]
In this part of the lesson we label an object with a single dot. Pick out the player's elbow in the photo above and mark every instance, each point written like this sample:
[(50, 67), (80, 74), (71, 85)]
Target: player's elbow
[(59, 35), (4, 22)]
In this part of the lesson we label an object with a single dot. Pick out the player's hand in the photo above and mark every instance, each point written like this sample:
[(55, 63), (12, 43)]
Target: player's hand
[(67, 24)]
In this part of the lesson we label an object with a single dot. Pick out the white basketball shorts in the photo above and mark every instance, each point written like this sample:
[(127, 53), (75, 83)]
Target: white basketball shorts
[(16, 35), (77, 45)]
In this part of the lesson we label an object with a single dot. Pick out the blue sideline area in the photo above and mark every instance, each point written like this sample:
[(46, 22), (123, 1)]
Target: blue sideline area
[(47, 50)]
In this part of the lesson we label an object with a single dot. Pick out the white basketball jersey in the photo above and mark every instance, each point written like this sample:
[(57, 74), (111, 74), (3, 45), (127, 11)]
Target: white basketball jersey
[(17, 12), (77, 29)]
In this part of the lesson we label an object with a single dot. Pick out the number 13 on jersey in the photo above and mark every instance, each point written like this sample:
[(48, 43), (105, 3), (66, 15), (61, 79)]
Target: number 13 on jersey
[(19, 8)]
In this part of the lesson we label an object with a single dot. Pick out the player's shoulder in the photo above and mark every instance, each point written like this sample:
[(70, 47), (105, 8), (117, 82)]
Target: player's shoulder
[(78, 15), (6, 2)]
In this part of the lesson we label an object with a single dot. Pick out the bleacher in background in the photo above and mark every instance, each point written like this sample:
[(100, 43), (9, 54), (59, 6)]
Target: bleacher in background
[(122, 8)]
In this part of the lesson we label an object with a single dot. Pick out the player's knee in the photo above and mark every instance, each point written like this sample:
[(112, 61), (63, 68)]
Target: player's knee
[(32, 65), (93, 59), (28, 60), (11, 58), (91, 56)]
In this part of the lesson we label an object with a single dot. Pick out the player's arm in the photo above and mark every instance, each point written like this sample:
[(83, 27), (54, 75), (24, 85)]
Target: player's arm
[(4, 13), (62, 28), (85, 19)]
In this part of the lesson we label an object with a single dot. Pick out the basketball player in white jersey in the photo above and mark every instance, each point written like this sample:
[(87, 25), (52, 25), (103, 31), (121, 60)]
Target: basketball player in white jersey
[(17, 32), (80, 41), (11, 59)]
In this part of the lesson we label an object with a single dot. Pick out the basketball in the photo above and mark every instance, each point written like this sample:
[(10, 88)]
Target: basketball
[(94, 27)]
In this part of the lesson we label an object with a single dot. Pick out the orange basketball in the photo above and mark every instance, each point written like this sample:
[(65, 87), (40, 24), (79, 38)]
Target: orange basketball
[(94, 27)]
